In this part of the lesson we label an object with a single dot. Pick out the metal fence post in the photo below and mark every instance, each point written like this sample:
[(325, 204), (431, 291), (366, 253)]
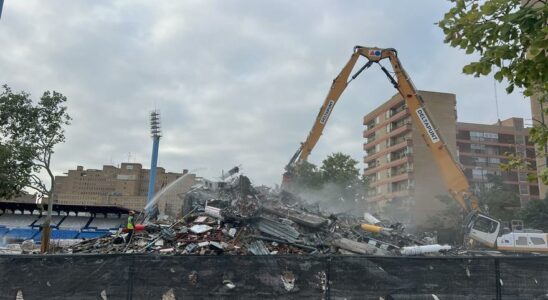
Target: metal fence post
[(497, 278), (131, 271), (328, 278)]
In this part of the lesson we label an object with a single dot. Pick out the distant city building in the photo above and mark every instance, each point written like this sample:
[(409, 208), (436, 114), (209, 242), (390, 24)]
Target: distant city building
[(126, 186), (482, 148), (405, 180)]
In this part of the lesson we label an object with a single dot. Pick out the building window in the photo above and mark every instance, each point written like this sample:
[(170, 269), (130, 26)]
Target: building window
[(494, 160), (485, 225), (477, 148), (480, 161), (484, 136), (492, 150), (129, 167), (479, 174)]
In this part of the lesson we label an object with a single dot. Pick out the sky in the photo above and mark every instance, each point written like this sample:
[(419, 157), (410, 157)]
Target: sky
[(236, 82)]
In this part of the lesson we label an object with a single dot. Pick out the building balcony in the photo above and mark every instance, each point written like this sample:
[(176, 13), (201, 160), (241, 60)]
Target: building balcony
[(370, 139), (372, 156), (400, 130), (400, 177), (398, 108), (396, 117), (394, 163), (389, 196)]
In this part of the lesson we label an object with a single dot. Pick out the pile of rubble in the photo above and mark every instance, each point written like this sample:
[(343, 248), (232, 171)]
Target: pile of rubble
[(234, 218)]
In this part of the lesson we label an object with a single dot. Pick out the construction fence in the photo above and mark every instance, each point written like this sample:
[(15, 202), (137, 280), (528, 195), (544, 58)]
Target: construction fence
[(271, 277)]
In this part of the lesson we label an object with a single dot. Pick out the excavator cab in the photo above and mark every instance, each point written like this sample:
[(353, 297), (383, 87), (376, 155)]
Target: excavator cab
[(482, 228)]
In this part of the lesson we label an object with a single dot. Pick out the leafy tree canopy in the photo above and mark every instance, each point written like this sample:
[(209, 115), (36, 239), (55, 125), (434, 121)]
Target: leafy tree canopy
[(502, 202), (340, 168), (28, 134), (535, 215), (511, 38), (508, 36), (338, 179)]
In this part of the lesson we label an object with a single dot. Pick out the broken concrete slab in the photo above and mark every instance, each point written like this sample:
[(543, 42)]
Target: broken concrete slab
[(299, 217)]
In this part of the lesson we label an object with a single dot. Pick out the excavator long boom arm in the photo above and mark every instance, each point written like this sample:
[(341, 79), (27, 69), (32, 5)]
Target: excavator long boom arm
[(452, 174), (337, 88)]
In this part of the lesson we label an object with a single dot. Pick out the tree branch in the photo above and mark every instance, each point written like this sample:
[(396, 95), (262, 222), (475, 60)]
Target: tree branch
[(36, 189)]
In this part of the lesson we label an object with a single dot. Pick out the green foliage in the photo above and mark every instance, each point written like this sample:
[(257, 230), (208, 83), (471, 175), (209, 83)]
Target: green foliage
[(28, 134), (449, 217), (308, 176), (338, 179), (502, 202), (508, 36), (535, 215), (340, 169)]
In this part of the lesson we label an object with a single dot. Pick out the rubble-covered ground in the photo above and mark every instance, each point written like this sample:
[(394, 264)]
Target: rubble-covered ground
[(234, 218)]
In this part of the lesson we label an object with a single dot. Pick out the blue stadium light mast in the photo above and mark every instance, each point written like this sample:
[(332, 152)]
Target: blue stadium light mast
[(156, 134)]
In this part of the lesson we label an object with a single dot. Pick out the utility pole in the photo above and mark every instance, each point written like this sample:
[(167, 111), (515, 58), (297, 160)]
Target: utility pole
[(156, 134)]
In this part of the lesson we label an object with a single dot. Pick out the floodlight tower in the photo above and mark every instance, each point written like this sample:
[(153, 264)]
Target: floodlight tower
[(156, 134)]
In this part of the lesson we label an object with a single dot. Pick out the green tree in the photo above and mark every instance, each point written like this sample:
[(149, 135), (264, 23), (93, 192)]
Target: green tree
[(448, 222), (502, 202), (340, 169), (16, 148), (535, 215), (28, 134), (337, 183), (511, 38), (307, 176), (340, 173), (507, 35)]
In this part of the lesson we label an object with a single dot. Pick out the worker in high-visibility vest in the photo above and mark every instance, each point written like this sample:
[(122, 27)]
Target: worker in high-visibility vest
[(130, 225)]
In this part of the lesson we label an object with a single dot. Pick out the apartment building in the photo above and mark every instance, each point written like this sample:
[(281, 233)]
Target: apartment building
[(405, 180), (537, 109), (482, 148), (125, 186)]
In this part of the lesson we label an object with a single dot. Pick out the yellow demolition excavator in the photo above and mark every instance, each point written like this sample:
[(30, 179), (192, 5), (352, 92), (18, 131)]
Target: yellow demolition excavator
[(478, 226)]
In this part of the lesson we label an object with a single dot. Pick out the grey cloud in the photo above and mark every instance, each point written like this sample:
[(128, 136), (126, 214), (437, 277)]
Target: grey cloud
[(237, 82)]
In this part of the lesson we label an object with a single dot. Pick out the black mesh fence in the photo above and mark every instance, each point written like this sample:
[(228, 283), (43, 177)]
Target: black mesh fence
[(271, 277)]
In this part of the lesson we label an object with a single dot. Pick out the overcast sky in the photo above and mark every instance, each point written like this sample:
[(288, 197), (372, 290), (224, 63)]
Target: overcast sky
[(236, 82)]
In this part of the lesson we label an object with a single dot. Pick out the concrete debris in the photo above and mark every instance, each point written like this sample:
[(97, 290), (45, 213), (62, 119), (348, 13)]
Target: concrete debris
[(298, 217), (200, 219), (258, 248), (213, 211), (371, 219), (234, 218), (277, 229), (200, 228)]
